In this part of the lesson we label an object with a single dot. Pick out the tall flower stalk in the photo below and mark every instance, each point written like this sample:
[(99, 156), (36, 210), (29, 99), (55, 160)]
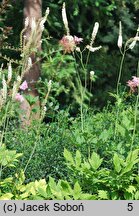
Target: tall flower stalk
[(130, 44), (135, 81)]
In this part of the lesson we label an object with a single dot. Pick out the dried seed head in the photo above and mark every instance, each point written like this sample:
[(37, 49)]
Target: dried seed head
[(93, 49), (1, 69), (26, 22), (47, 12), (4, 89), (94, 33), (14, 90), (33, 24), (42, 23), (1, 101), (120, 38), (9, 72), (49, 85), (64, 17), (18, 78), (29, 62)]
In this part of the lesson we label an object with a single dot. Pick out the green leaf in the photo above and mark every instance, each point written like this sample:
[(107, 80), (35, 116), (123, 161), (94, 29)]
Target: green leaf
[(121, 130), (116, 161), (87, 197), (95, 161), (131, 160), (103, 194), (6, 196), (137, 195), (76, 191), (78, 158), (114, 195), (132, 156), (68, 156), (52, 184), (55, 189), (65, 186), (131, 189)]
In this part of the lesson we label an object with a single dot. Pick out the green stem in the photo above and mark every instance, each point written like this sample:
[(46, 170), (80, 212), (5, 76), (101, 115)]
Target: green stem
[(120, 72), (117, 89), (34, 148), (135, 121), (81, 92), (4, 124)]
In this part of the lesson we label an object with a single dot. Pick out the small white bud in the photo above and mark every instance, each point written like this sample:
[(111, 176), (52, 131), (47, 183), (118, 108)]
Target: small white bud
[(120, 38), (78, 49), (44, 108), (94, 33), (132, 45), (64, 17), (92, 73), (47, 12)]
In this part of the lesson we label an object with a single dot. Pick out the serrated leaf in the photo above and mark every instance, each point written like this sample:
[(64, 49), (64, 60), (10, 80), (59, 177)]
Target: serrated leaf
[(68, 156), (87, 197), (132, 156), (95, 161), (6, 196), (76, 191), (65, 186), (103, 194), (116, 161), (137, 195), (131, 189), (114, 195), (78, 158), (121, 130)]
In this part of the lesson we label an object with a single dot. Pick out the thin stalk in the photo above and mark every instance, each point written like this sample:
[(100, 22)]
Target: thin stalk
[(34, 148), (4, 124), (120, 71), (117, 89), (81, 92), (135, 121)]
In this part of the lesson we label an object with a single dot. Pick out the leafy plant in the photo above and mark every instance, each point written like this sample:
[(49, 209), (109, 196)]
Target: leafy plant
[(116, 183)]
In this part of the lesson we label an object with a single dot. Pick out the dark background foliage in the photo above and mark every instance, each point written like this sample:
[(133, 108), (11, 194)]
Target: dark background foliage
[(82, 15)]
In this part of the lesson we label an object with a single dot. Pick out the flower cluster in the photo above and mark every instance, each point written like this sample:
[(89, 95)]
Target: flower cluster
[(69, 43), (133, 84), (18, 96)]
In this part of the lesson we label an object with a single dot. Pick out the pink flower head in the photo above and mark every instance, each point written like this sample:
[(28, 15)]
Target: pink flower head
[(133, 84), (68, 43), (77, 40), (19, 97), (135, 80), (24, 85)]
